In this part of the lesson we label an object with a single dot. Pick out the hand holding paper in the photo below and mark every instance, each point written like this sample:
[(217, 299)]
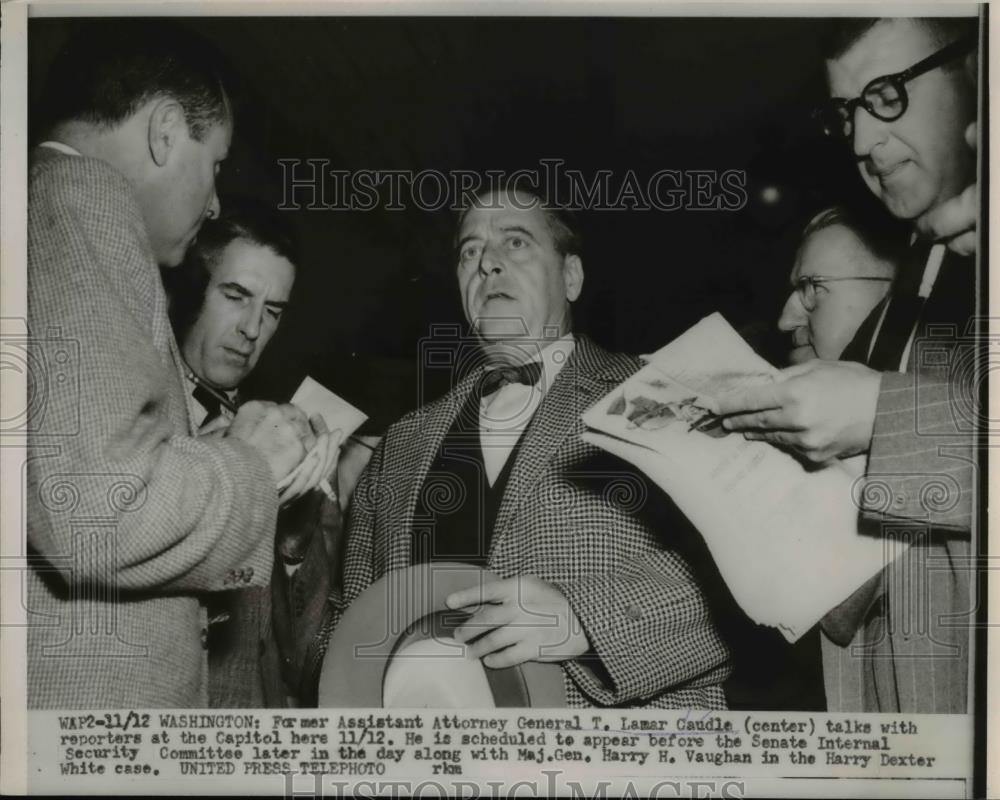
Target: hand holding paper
[(785, 537), (332, 420), (819, 409), (317, 466)]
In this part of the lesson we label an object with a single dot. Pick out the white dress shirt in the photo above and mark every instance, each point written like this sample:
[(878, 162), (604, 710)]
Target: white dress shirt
[(504, 415)]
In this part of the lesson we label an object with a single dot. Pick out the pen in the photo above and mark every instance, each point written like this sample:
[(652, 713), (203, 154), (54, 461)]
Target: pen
[(223, 399)]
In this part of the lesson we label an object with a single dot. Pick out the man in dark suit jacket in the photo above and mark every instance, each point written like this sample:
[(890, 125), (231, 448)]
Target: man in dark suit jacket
[(226, 304), (495, 474), (131, 518), (905, 391)]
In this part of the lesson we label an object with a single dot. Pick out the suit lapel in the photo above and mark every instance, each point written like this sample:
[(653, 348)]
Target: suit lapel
[(578, 386), (418, 453)]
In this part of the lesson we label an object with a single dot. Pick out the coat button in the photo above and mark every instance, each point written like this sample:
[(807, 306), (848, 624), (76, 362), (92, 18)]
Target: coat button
[(204, 638), (634, 612)]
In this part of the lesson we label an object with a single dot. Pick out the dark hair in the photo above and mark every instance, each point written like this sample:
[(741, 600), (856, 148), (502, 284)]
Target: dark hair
[(563, 223), (245, 221), (843, 34), (109, 68)]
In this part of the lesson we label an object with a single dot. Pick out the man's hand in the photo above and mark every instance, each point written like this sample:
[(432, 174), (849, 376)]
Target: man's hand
[(954, 221), (317, 466), (820, 409), (519, 619), (276, 431)]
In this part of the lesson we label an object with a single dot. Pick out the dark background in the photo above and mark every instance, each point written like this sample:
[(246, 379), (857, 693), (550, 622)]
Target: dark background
[(622, 94), (614, 94)]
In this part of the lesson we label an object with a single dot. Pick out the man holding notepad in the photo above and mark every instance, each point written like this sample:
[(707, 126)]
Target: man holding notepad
[(226, 305)]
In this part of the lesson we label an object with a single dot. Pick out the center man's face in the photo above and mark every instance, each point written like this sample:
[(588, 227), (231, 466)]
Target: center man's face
[(185, 195), (247, 291), (920, 160), (841, 306), (514, 283)]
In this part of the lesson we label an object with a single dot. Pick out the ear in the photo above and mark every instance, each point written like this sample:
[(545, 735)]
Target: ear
[(572, 276), (166, 125)]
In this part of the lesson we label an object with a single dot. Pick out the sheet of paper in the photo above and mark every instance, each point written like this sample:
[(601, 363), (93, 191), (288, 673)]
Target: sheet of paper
[(785, 537), (314, 398)]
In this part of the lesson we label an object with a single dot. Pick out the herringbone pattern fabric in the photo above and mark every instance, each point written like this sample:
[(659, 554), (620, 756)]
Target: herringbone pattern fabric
[(129, 517)]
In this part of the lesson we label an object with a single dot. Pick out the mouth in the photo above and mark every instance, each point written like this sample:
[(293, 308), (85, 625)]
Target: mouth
[(883, 172), (497, 296), (241, 355), (800, 338), (800, 353)]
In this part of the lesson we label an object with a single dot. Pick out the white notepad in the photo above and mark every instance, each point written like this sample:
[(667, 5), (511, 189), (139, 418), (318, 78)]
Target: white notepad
[(314, 398)]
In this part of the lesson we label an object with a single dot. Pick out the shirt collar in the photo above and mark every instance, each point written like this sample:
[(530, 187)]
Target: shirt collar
[(192, 380), (62, 148), (553, 358)]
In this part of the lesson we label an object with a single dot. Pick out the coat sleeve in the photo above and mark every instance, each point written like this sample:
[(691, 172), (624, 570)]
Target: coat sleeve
[(362, 515), (921, 465), (118, 495), (650, 631)]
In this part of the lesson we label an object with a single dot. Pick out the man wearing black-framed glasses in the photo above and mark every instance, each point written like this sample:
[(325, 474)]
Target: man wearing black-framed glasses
[(903, 101), (906, 391)]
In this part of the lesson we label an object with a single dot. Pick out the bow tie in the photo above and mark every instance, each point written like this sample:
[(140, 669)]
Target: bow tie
[(495, 379)]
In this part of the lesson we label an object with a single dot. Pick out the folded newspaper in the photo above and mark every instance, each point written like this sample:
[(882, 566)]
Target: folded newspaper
[(784, 536)]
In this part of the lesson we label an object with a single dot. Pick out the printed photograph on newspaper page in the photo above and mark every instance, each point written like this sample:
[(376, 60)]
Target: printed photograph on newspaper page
[(573, 400)]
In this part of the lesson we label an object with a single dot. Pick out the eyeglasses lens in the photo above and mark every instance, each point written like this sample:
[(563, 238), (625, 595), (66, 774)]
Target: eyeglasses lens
[(885, 99), (807, 294)]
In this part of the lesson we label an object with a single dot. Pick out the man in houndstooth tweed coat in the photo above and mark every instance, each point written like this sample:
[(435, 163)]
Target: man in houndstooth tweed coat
[(495, 473), (130, 518)]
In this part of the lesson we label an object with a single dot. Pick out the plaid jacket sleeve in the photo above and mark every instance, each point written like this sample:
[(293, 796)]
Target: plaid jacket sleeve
[(358, 567), (921, 465), (187, 513)]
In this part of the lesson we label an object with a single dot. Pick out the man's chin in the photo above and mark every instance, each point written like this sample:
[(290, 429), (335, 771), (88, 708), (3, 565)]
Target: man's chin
[(499, 329)]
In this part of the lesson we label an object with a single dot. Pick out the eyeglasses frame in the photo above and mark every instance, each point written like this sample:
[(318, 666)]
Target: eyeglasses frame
[(959, 47), (818, 280)]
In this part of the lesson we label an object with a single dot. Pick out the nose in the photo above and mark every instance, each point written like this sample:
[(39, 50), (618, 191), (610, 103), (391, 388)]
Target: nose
[(214, 206), (869, 132), (793, 315), (489, 262), (250, 322)]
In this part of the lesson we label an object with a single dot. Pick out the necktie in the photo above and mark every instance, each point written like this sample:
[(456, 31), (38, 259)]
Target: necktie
[(208, 401), (903, 314), (495, 379)]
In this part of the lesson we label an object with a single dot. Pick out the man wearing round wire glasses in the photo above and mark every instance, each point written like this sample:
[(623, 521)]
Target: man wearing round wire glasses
[(842, 271), (905, 101)]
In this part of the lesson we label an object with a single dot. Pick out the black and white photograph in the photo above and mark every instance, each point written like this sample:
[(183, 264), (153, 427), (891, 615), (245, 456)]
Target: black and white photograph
[(590, 398)]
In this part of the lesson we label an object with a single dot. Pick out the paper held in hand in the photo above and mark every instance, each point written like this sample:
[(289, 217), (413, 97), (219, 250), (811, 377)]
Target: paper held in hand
[(785, 537), (314, 398)]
